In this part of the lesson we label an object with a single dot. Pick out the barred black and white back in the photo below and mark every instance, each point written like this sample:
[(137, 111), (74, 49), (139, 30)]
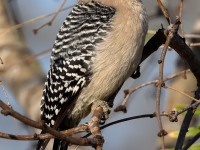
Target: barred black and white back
[(72, 56)]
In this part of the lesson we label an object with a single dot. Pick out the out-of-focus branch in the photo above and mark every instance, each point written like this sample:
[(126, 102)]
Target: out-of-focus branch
[(34, 20), (23, 80), (185, 35), (186, 95), (186, 123), (164, 11), (1, 60), (181, 16), (49, 23), (28, 61), (191, 141), (4, 91)]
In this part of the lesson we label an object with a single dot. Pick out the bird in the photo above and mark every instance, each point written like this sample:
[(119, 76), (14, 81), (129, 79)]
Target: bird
[(98, 46)]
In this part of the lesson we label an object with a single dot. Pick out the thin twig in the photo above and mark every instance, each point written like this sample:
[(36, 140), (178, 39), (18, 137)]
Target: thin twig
[(128, 92), (15, 27), (162, 132), (185, 35), (193, 44), (164, 11), (186, 123), (181, 17), (197, 36), (1, 60), (173, 29), (193, 106), (27, 60), (181, 92), (5, 93), (173, 115), (49, 23), (6, 110)]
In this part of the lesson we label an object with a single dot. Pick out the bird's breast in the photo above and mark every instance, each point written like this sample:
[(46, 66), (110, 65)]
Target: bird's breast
[(116, 58)]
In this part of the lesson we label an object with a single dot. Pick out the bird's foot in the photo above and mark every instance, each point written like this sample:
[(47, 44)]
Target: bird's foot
[(106, 110), (93, 124)]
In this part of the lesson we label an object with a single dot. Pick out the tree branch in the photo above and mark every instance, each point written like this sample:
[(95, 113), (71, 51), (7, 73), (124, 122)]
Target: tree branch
[(49, 23), (191, 141), (186, 123), (7, 110), (69, 132)]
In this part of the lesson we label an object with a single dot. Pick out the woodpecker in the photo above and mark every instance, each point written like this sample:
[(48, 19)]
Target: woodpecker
[(97, 48)]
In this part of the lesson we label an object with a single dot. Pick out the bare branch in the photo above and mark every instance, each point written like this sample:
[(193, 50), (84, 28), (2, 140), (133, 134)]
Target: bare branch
[(6, 110), (1, 60), (5, 93), (160, 84), (81, 128), (164, 11), (27, 60), (181, 17), (185, 35), (192, 98), (49, 23), (128, 92), (186, 123), (15, 27), (193, 44)]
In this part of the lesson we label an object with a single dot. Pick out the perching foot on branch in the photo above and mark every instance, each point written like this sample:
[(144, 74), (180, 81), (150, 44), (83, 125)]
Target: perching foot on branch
[(106, 110), (99, 109)]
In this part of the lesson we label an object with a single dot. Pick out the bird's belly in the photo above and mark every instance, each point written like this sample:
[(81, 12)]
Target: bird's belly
[(104, 82)]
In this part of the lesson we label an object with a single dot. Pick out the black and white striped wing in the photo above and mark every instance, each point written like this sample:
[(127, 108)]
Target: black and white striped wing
[(72, 56)]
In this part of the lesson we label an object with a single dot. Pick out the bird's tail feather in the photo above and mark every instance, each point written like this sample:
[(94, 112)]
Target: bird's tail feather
[(60, 145), (57, 145), (42, 144)]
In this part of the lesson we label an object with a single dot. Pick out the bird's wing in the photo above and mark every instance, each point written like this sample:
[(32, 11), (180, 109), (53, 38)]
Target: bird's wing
[(72, 56), (71, 59)]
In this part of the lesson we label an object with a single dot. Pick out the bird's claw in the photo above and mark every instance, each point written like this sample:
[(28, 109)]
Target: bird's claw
[(106, 109)]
